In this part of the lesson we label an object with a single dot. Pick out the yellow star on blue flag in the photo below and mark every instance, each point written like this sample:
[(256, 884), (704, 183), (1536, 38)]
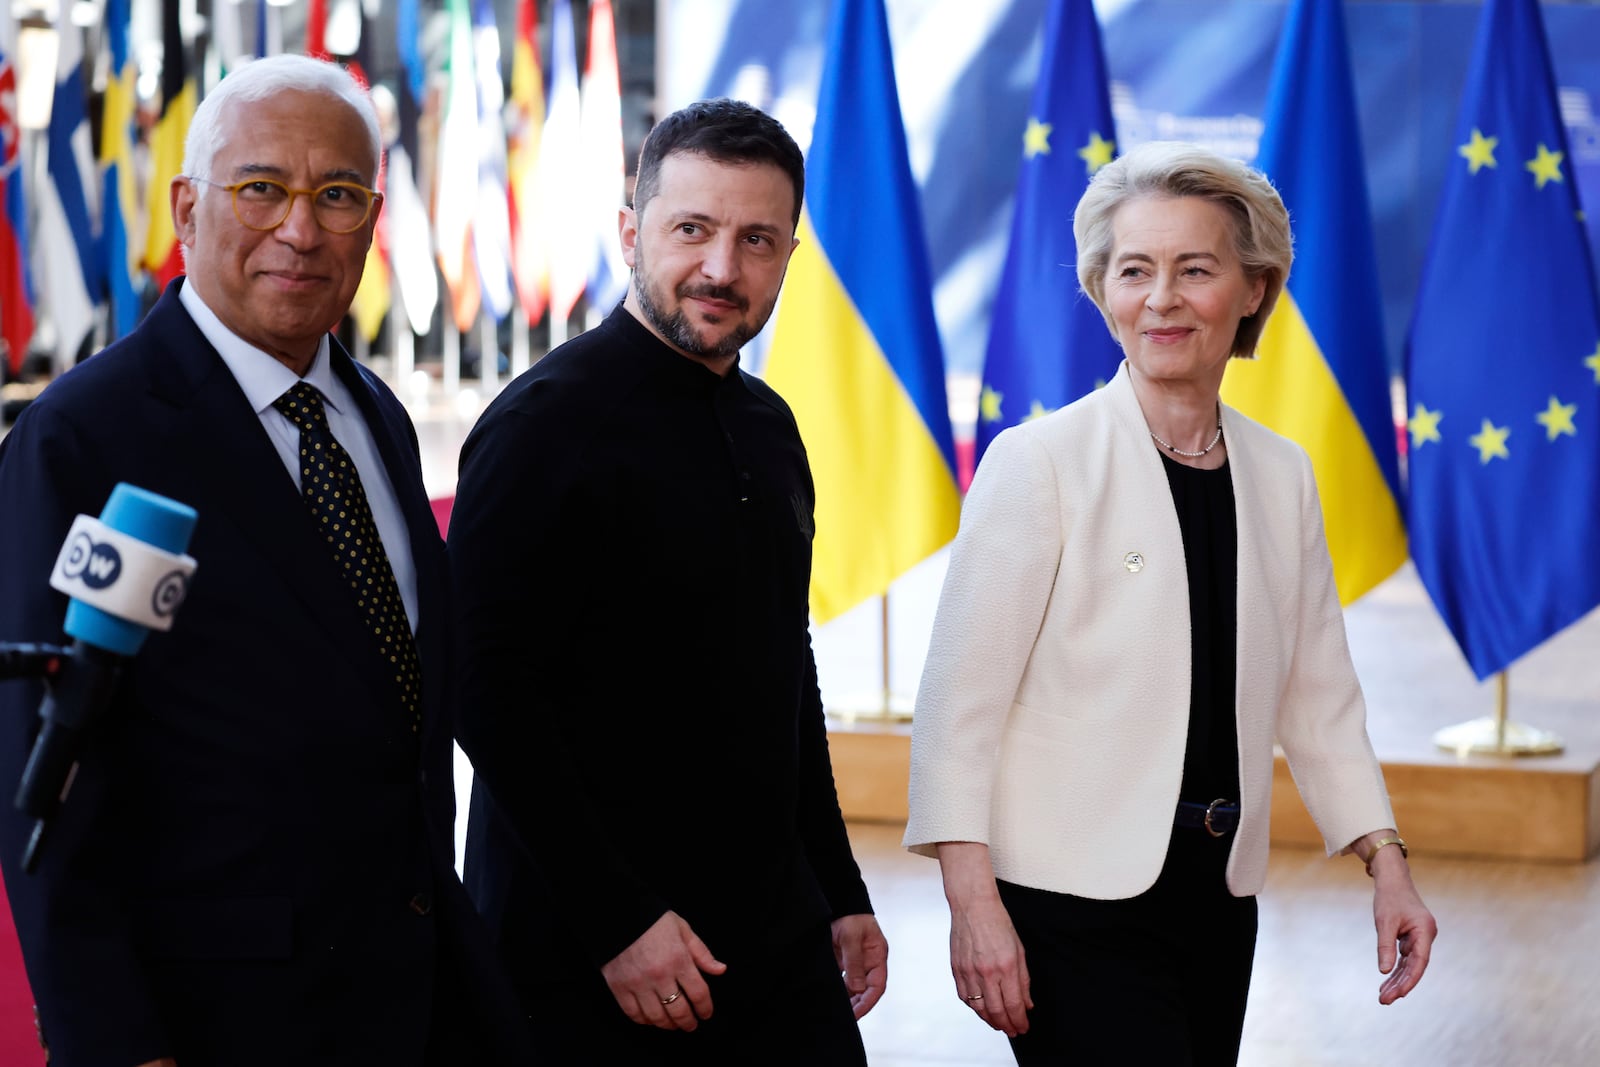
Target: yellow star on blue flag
[(1503, 534), (1046, 341)]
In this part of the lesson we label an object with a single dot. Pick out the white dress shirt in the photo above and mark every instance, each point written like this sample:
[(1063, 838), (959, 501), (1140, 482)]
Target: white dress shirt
[(264, 379)]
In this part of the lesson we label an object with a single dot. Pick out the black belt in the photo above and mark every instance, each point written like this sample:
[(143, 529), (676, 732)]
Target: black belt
[(1216, 818)]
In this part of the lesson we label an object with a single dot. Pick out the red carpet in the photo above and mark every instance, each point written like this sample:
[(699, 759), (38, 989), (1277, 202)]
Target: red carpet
[(19, 1045), (441, 512)]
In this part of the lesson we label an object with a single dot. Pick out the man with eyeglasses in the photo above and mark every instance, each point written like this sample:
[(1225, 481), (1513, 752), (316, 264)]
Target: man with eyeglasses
[(254, 865)]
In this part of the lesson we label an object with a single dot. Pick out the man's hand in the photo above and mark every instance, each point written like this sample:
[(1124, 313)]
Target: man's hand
[(657, 980), (863, 955)]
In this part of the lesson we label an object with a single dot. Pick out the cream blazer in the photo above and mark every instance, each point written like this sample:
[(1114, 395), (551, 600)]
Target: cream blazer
[(1054, 706)]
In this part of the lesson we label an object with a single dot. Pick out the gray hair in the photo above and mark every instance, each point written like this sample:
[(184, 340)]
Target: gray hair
[(262, 78), (1173, 169)]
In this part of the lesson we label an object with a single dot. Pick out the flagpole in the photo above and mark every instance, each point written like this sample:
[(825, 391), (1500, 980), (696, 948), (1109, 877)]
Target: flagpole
[(883, 706), (404, 342), (519, 341), (489, 361), (1498, 735), (451, 356)]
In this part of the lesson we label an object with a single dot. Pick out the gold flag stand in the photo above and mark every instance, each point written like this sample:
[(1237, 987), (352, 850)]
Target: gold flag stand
[(882, 706), (1498, 736)]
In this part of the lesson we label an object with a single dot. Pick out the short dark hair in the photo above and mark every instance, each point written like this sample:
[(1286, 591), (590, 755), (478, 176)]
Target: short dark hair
[(727, 131)]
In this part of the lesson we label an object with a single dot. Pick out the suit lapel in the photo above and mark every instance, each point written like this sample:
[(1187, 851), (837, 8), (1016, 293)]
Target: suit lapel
[(244, 483)]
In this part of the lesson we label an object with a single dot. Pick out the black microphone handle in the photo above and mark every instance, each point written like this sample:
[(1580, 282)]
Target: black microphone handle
[(80, 692)]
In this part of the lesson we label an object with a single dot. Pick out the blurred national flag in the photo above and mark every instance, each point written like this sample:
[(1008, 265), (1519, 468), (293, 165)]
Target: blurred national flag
[(16, 298), (525, 126), (604, 168), (67, 268), (163, 257), (561, 193), (456, 186), (121, 223), (1503, 367), (491, 217)]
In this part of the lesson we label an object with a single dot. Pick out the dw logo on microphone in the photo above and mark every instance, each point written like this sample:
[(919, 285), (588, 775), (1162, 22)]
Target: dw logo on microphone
[(169, 593), (96, 564)]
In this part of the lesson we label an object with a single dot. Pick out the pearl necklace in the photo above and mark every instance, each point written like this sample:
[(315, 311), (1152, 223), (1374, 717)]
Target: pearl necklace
[(1192, 455)]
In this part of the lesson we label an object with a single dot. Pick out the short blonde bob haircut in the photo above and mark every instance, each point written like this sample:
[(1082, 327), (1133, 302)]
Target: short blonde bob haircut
[(1172, 169)]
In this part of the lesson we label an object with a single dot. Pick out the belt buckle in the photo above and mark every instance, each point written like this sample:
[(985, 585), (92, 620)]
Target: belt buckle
[(1210, 809)]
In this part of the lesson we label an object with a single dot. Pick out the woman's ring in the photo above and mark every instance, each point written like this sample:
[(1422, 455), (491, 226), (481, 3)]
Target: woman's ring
[(669, 1000), (975, 996)]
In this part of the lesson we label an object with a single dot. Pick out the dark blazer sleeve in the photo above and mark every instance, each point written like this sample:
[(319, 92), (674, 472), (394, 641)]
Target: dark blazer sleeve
[(822, 825), (95, 1001), (517, 548)]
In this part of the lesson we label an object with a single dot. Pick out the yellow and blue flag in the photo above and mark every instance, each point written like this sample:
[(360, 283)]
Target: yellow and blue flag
[(1048, 344), (1322, 376), (856, 349), (120, 197), (1504, 365)]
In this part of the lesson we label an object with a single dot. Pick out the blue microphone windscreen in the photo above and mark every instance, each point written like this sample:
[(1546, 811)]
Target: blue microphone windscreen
[(145, 516), (153, 519)]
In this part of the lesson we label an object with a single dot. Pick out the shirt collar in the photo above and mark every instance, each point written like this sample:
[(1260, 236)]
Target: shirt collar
[(668, 360), (262, 377)]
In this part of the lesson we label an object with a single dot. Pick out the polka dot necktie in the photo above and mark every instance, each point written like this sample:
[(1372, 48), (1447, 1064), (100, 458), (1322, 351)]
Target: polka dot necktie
[(332, 490)]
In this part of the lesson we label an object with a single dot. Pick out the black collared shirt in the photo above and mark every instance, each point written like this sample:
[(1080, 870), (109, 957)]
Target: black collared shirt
[(631, 551)]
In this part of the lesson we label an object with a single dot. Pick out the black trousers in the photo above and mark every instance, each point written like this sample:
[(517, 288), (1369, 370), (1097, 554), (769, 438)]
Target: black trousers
[(785, 1007), (1161, 978)]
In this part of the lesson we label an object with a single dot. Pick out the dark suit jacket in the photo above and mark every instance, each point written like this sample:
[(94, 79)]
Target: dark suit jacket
[(255, 862)]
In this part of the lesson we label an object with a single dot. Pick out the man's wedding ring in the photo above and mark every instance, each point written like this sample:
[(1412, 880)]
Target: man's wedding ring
[(669, 1000)]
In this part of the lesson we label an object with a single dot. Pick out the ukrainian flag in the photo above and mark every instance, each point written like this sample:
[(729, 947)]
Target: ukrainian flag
[(855, 348), (1322, 377)]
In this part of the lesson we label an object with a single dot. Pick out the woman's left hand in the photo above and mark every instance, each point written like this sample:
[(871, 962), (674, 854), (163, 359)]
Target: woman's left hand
[(1406, 928)]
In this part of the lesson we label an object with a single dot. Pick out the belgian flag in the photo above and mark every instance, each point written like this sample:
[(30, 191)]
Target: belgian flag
[(179, 96)]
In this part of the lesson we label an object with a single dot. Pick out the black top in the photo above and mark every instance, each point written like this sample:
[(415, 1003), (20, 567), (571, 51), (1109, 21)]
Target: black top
[(1204, 500), (631, 551)]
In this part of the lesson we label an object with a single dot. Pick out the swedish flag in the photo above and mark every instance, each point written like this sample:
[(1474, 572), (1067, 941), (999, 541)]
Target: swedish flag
[(1321, 377), (119, 199), (1504, 365), (1048, 344), (855, 347)]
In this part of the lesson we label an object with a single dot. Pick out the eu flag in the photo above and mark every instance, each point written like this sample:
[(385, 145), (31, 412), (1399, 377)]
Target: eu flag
[(1504, 365), (1048, 344), (1322, 378), (855, 347)]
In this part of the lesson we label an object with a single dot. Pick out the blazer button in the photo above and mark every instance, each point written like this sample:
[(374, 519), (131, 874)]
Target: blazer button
[(422, 903)]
